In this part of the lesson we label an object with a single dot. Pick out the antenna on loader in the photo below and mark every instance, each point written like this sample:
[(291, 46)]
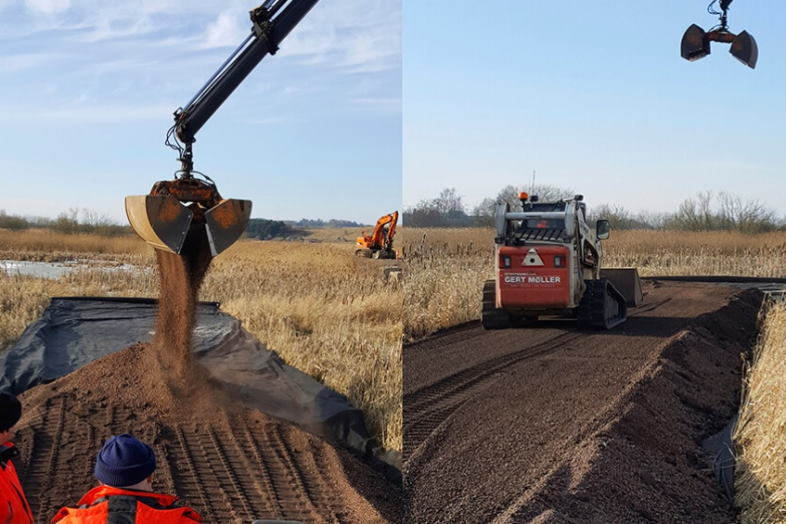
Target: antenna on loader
[(532, 185)]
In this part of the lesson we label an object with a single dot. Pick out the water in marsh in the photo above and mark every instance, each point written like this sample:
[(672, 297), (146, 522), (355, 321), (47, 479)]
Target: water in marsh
[(55, 270)]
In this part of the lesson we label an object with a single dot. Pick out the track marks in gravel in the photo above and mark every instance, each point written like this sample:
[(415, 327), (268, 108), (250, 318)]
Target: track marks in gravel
[(551, 424), (234, 470), (427, 408), (245, 473)]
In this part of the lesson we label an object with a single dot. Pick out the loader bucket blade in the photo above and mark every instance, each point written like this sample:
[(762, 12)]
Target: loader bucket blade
[(161, 221), (225, 223), (626, 281)]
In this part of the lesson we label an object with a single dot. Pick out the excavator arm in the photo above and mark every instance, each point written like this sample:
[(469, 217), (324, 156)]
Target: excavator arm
[(391, 230), (382, 236), (179, 213), (380, 243)]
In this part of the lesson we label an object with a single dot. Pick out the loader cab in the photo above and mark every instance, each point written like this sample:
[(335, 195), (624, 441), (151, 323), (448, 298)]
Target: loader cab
[(538, 230), (538, 222)]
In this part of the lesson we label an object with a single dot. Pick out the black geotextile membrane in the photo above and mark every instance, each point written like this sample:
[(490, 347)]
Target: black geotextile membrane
[(74, 331)]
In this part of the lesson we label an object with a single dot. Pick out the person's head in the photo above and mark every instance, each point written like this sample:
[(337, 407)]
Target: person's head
[(125, 462), (10, 413)]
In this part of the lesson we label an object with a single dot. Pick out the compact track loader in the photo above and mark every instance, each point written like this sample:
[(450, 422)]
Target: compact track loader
[(177, 215), (379, 244), (548, 262)]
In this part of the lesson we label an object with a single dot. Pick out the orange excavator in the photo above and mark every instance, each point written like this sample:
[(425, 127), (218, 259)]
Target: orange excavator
[(379, 244), (181, 215)]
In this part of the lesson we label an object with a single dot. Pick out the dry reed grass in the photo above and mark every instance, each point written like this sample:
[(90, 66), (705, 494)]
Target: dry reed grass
[(336, 234), (446, 269), (322, 309), (761, 431), (50, 246), (698, 253)]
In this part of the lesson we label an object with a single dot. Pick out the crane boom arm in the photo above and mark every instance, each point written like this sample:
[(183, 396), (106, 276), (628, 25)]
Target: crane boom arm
[(188, 215), (381, 237), (271, 25)]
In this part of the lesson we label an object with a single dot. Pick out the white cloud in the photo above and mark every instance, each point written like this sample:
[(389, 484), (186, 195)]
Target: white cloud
[(354, 35), (48, 6), (87, 113), (227, 30), (357, 37), (273, 120), (168, 48), (14, 63), (381, 101), (372, 51)]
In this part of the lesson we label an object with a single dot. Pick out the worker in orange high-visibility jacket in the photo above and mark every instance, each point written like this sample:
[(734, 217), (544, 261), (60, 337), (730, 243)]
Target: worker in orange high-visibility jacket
[(14, 508), (124, 468)]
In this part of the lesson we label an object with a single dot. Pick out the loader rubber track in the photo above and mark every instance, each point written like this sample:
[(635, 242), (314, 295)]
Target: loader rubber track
[(492, 317), (601, 306)]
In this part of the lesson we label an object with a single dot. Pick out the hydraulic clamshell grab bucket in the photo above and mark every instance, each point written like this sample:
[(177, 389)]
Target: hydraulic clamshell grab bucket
[(176, 211), (695, 42), (226, 222), (161, 221)]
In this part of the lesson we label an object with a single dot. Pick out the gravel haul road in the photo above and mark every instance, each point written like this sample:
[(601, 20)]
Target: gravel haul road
[(550, 424)]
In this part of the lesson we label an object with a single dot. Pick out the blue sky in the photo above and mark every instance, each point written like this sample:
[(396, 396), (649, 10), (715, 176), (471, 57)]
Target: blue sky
[(593, 96), (88, 87)]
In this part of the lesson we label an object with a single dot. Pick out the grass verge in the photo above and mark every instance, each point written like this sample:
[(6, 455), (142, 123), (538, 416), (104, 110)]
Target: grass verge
[(760, 483)]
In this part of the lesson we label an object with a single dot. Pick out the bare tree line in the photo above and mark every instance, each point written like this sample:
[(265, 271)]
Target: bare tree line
[(707, 211), (75, 220)]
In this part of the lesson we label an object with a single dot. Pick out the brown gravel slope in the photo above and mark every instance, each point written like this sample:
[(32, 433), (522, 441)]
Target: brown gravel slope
[(549, 424), (229, 463)]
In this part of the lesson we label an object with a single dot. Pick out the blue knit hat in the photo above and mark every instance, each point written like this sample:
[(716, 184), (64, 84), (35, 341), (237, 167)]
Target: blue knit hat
[(124, 461)]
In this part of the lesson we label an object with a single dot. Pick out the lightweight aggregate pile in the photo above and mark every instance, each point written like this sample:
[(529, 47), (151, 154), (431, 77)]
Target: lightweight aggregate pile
[(229, 462), (551, 424)]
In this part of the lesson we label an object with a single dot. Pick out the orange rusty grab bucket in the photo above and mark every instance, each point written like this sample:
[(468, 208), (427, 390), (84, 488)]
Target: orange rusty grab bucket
[(165, 222)]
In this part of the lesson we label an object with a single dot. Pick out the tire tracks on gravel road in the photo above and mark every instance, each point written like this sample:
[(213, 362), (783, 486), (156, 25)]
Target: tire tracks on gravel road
[(426, 408), (494, 419)]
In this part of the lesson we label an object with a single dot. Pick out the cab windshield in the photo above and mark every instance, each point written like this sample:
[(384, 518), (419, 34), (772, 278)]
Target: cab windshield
[(533, 229)]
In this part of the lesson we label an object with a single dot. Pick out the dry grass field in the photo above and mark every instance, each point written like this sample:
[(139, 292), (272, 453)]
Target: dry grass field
[(761, 430), (445, 273), (48, 246), (336, 234), (322, 309)]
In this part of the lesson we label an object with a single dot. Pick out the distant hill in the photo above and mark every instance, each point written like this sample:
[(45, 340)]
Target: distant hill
[(264, 229)]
